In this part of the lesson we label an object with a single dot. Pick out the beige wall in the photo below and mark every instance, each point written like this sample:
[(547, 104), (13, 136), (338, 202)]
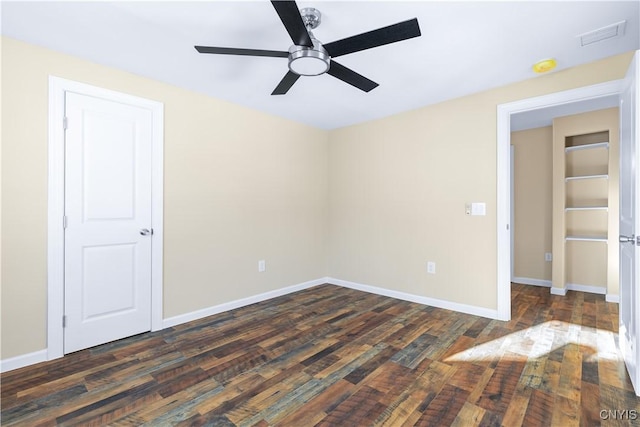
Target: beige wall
[(532, 202), (239, 186), (398, 188), (369, 203)]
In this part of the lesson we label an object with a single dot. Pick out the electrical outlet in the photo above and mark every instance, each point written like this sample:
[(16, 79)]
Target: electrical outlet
[(431, 267), (548, 256), (262, 266)]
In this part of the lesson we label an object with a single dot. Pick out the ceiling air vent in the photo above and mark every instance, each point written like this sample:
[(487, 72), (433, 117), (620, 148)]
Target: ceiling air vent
[(609, 32)]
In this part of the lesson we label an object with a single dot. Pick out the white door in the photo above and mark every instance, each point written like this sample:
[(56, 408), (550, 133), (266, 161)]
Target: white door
[(107, 291), (630, 224)]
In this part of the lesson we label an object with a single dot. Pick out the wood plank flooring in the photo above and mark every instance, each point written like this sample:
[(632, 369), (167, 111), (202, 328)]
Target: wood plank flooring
[(330, 356)]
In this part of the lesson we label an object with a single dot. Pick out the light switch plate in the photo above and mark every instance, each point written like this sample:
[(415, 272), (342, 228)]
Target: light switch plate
[(478, 209)]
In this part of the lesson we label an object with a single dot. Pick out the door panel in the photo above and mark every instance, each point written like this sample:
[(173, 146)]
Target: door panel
[(109, 169), (629, 225), (107, 203), (107, 291)]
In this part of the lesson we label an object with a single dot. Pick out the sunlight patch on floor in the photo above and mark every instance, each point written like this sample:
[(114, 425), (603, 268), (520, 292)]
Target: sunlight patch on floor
[(541, 340)]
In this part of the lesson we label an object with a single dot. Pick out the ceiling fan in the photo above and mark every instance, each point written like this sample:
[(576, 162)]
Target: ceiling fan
[(309, 57)]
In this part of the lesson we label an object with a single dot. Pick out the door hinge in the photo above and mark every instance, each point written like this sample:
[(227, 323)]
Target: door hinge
[(65, 123), (64, 321), (64, 222)]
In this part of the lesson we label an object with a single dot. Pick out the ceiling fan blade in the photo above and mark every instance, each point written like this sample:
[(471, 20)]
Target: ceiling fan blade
[(385, 35), (285, 84), (235, 51), (347, 75), (290, 17)]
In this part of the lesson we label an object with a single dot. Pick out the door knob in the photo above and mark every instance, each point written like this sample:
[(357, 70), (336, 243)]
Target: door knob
[(146, 232), (627, 239)]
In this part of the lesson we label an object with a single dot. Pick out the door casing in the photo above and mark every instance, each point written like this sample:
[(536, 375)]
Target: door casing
[(503, 208), (58, 87)]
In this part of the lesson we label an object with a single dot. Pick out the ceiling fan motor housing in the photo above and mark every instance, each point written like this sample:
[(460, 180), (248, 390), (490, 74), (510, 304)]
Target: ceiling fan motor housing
[(311, 17)]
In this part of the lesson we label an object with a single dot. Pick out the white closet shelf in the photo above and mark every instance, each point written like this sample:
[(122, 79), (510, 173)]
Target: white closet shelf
[(576, 178), (586, 238), (587, 146), (587, 208)]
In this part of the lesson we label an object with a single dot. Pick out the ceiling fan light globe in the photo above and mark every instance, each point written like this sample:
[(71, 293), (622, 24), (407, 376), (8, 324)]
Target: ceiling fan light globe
[(309, 62)]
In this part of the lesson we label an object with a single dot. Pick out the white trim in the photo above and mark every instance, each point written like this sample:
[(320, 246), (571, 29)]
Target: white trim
[(503, 213), (157, 215), (220, 308), (23, 360), (532, 282), (55, 255), (600, 290), (448, 305), (503, 202), (55, 232), (512, 211), (43, 355), (612, 298)]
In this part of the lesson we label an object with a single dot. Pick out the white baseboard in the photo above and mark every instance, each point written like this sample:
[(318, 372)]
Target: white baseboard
[(559, 291), (231, 305), (531, 281), (612, 298), (24, 360), (448, 305), (41, 355), (600, 290)]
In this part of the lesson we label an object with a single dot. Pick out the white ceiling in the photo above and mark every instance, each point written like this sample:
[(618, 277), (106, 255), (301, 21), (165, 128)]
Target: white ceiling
[(466, 47)]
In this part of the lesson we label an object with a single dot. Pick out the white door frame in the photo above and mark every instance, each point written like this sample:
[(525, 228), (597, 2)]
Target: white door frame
[(503, 208), (55, 246), (512, 212)]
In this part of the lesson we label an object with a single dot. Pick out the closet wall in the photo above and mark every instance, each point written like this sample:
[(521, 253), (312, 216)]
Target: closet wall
[(532, 204)]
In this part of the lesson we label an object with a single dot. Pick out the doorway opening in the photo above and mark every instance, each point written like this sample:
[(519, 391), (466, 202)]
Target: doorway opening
[(566, 200), (554, 104)]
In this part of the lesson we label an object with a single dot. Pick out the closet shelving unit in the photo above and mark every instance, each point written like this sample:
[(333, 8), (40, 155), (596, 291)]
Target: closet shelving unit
[(586, 208), (585, 200), (587, 160)]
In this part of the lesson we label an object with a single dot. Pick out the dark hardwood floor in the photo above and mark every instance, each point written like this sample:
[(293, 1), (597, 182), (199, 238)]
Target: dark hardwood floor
[(331, 356)]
